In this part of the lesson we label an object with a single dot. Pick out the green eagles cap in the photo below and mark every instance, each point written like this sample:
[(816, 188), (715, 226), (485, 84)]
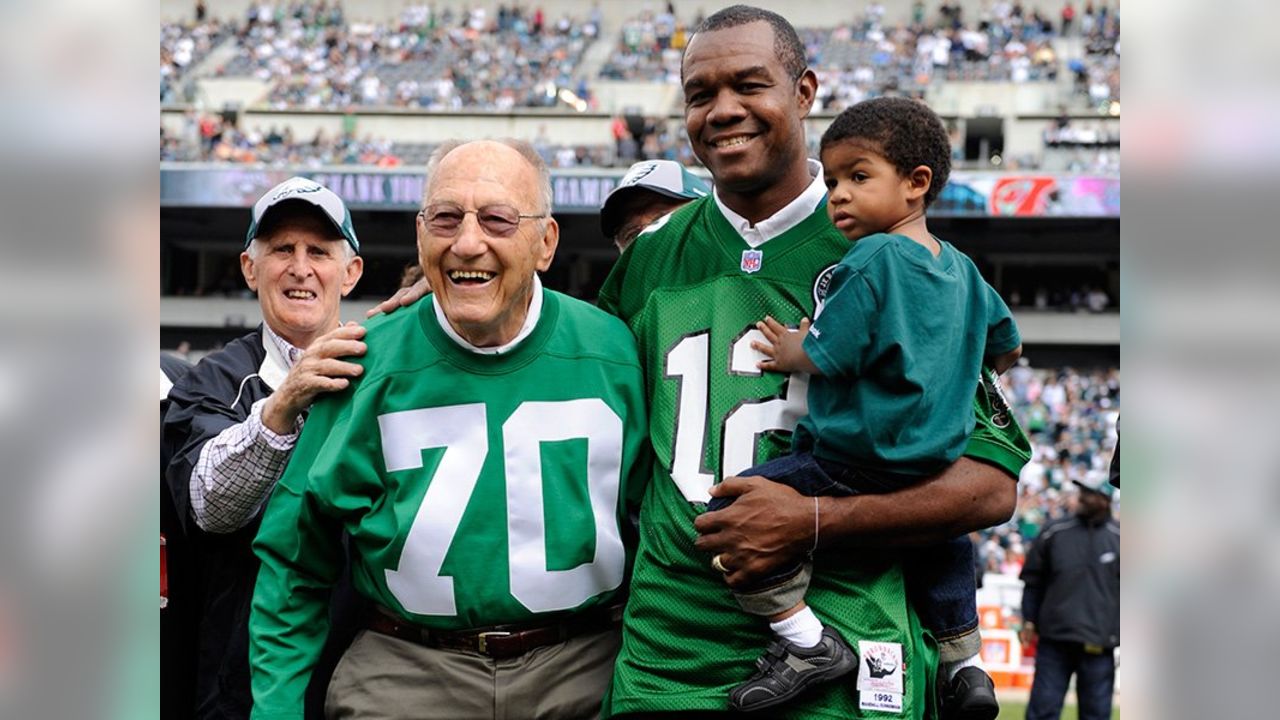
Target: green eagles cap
[(664, 177), (300, 188)]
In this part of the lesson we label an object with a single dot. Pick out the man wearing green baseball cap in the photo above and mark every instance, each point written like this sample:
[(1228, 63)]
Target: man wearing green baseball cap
[(649, 190)]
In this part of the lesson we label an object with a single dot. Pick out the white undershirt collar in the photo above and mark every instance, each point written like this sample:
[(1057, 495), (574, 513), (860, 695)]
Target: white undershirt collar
[(280, 358), (791, 215), (530, 322)]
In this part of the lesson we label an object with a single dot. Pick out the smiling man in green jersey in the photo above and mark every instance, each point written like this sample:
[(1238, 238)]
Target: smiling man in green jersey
[(691, 288), (483, 465)]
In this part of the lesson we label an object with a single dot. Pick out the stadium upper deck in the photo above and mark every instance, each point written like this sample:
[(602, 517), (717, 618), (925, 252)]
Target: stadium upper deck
[(313, 54), (310, 84)]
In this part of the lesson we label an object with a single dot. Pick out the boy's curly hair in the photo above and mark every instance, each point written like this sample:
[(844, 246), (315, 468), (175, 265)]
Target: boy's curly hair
[(905, 131)]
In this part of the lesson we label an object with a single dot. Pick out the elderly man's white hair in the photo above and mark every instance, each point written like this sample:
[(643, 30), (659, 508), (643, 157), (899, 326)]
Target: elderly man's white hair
[(524, 148)]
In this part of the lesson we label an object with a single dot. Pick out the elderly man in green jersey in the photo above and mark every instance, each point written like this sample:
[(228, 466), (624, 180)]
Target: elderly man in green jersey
[(692, 288), (482, 466)]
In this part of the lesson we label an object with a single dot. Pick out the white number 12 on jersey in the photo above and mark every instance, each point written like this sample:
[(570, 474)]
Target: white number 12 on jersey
[(690, 361)]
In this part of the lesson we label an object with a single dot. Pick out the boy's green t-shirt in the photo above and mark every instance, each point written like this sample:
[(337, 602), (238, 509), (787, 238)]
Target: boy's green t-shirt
[(899, 340)]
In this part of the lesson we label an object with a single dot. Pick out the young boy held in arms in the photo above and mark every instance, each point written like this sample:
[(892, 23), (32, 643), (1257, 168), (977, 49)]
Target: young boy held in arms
[(894, 353)]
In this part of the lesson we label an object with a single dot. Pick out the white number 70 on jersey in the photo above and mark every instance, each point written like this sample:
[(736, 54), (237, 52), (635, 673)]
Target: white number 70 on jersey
[(463, 431)]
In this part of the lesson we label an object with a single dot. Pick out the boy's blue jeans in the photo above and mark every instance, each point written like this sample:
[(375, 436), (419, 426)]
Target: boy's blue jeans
[(941, 580)]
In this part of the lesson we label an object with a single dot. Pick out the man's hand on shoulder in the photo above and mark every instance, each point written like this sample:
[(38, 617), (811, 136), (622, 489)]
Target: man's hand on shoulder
[(404, 297), (768, 525), (318, 370)]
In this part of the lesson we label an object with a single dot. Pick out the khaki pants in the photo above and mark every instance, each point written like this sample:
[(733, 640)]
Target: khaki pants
[(384, 677)]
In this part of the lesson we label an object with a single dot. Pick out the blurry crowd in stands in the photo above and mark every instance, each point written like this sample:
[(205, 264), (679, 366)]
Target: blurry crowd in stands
[(1083, 298), (1004, 43), (213, 138), (511, 56), (636, 137), (1086, 135), (182, 47), (1076, 146), (867, 58), (649, 47), (1070, 416), (312, 56)]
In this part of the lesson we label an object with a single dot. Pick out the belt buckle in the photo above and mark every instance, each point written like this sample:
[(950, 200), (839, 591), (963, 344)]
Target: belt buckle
[(482, 639)]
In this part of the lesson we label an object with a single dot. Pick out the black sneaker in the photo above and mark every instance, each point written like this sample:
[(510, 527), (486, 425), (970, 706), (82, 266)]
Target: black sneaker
[(786, 670), (970, 696)]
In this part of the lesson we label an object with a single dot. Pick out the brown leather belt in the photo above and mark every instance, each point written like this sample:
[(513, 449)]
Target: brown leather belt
[(499, 642)]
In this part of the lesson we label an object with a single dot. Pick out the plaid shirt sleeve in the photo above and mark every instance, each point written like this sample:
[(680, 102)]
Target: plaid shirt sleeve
[(237, 470)]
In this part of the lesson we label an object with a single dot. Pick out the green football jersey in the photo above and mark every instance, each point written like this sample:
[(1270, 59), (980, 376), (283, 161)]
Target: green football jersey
[(692, 289), (477, 490)]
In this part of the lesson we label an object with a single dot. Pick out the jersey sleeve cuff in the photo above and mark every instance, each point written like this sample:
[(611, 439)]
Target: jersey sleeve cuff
[(995, 454)]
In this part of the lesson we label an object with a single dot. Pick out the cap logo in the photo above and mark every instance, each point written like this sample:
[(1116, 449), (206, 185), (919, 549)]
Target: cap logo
[(638, 174), (296, 190)]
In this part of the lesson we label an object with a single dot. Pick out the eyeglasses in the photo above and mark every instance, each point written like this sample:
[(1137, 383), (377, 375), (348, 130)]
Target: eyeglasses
[(445, 219)]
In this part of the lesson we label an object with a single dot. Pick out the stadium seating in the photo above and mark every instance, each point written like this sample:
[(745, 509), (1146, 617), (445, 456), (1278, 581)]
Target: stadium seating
[(310, 57), (484, 60), (497, 59), (182, 47)]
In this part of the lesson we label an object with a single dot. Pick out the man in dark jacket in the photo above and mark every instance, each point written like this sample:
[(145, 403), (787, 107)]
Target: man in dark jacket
[(233, 420), (1071, 604)]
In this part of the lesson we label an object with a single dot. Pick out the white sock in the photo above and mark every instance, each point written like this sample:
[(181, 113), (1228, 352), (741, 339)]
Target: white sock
[(951, 668), (804, 628)]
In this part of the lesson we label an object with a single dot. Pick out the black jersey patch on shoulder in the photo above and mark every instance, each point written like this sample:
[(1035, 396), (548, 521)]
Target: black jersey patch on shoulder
[(822, 284)]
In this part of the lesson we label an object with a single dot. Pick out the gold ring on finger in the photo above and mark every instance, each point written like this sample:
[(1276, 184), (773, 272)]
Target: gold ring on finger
[(718, 564)]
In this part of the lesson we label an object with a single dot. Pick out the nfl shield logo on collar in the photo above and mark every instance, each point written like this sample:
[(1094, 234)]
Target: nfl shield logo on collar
[(751, 260)]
